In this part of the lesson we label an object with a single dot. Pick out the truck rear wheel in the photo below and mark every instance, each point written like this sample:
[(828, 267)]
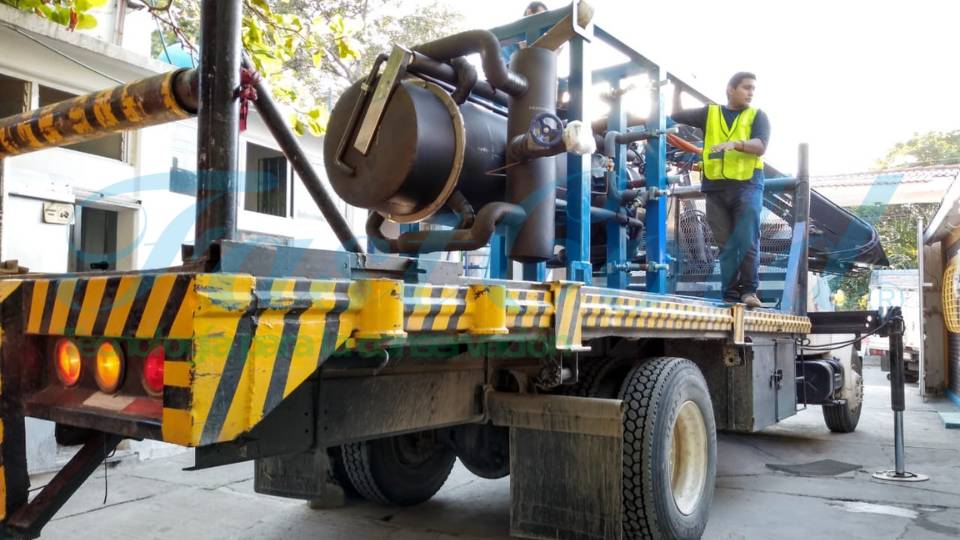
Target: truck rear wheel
[(403, 470), (669, 450), (843, 418)]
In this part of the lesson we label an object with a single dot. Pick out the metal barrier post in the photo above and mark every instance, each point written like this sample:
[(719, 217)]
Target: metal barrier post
[(218, 124), (897, 401)]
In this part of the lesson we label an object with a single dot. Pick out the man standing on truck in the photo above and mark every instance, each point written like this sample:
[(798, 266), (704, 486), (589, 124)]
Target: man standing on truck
[(734, 138)]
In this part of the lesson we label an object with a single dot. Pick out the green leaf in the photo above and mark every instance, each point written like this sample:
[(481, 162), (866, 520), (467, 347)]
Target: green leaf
[(262, 4), (86, 21), (316, 129), (298, 127), (317, 59)]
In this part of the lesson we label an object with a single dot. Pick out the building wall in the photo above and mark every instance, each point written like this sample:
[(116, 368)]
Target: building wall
[(153, 222)]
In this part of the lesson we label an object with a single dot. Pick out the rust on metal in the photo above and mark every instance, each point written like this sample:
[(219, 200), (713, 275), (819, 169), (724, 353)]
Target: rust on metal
[(156, 100)]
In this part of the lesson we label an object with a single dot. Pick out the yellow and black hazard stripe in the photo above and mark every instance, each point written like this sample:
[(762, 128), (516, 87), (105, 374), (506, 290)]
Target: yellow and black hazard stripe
[(528, 309), (776, 323), (143, 103), (568, 318), (434, 308), (254, 350), (602, 311), (141, 306)]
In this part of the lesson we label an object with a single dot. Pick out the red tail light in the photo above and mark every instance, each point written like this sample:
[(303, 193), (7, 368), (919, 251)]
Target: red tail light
[(153, 370)]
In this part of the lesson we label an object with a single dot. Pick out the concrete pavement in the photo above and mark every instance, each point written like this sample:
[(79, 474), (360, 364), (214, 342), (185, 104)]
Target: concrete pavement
[(157, 500)]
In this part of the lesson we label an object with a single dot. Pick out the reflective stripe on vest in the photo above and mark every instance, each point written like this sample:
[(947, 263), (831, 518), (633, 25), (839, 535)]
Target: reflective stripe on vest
[(733, 165)]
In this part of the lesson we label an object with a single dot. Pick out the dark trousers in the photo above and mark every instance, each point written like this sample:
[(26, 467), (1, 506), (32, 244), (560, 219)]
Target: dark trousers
[(734, 217)]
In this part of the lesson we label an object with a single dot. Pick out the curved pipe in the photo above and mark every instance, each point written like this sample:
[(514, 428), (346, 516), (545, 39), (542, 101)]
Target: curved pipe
[(466, 79), (470, 239), (460, 206), (486, 44)]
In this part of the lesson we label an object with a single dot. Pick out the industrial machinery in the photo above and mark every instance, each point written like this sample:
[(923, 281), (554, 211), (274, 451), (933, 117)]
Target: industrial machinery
[(585, 378)]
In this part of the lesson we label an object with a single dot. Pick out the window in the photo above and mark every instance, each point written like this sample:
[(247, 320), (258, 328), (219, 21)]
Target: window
[(14, 96), (110, 146), (267, 182)]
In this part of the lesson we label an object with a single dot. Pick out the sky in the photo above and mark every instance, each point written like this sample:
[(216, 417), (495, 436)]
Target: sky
[(849, 77)]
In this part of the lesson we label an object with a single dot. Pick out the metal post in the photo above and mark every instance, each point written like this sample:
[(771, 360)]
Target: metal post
[(578, 170), (498, 264), (656, 174), (218, 135), (897, 402), (921, 290), (801, 209), (617, 275)]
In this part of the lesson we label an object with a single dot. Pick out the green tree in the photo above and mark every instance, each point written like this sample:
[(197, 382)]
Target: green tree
[(70, 13), (931, 148), (310, 51), (897, 227)]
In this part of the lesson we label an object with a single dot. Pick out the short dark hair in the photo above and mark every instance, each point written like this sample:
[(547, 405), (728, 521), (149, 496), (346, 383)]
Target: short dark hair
[(535, 7), (739, 77)]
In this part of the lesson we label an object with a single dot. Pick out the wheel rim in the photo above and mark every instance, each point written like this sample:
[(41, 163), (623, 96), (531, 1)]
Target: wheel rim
[(688, 458)]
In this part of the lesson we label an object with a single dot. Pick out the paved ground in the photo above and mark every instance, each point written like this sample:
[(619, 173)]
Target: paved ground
[(157, 500)]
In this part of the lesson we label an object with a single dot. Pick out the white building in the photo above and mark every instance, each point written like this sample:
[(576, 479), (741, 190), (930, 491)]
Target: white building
[(130, 193)]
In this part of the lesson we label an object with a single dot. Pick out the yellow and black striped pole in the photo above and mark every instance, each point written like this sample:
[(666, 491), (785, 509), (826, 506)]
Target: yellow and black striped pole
[(156, 100)]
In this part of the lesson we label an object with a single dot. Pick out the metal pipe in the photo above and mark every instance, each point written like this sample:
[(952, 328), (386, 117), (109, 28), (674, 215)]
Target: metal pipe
[(531, 183), (218, 133), (775, 185), (447, 74), (801, 218), (155, 100), (899, 459), (598, 214), (486, 44), (470, 239), (298, 160), (466, 79)]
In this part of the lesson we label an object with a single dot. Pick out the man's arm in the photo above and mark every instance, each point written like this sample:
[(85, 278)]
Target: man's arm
[(691, 117), (759, 137)]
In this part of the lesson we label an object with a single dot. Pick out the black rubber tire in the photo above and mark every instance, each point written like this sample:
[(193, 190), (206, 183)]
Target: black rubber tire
[(338, 472), (380, 472), (653, 393), (484, 449), (844, 418)]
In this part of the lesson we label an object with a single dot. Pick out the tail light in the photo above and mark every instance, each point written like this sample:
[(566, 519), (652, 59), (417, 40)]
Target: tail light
[(153, 370), (109, 367), (67, 359)]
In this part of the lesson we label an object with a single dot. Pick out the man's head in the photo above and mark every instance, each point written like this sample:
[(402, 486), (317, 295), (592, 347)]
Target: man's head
[(534, 7), (740, 90)]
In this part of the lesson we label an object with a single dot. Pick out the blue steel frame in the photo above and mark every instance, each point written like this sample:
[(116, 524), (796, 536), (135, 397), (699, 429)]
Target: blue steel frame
[(578, 84), (579, 177)]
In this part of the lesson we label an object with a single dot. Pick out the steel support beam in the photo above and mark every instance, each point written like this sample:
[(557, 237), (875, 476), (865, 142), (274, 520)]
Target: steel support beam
[(218, 124), (655, 171), (616, 271), (578, 170), (30, 519)]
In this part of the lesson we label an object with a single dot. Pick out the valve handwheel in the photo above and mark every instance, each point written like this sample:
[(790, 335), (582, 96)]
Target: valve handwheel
[(546, 129)]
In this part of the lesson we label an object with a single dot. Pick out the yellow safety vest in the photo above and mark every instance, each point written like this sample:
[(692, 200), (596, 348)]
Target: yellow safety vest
[(734, 165)]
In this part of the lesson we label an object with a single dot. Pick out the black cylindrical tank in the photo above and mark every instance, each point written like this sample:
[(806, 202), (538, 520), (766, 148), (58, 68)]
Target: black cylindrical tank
[(425, 147), (531, 184)]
